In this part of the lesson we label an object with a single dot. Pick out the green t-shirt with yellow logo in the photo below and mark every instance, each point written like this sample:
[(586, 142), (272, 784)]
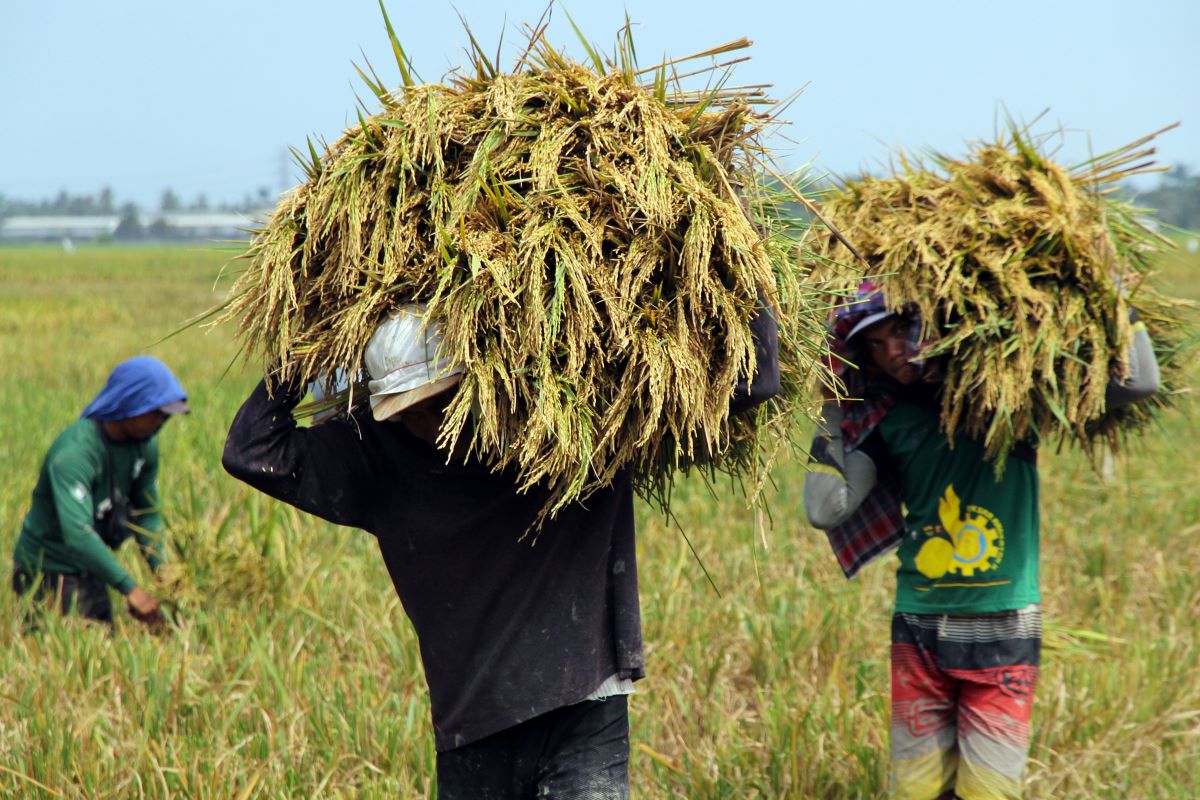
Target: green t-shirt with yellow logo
[(971, 544)]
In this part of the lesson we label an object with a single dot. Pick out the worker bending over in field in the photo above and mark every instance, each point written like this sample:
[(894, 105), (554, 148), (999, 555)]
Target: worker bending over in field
[(966, 633), (97, 487), (529, 648)]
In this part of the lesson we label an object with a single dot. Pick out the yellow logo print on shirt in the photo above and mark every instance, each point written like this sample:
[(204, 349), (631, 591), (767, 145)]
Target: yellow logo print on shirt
[(975, 543)]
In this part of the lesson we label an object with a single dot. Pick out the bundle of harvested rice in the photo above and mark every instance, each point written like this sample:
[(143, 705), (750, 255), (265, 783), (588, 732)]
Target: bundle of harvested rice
[(582, 234), (1023, 272)]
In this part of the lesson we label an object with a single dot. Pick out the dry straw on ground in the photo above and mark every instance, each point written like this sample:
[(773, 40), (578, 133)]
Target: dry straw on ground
[(1023, 272), (582, 232)]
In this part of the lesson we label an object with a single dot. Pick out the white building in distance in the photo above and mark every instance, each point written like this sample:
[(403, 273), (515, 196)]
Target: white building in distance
[(160, 226)]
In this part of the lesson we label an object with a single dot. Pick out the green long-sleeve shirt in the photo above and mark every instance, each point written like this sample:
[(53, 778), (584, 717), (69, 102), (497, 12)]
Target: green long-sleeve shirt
[(80, 480)]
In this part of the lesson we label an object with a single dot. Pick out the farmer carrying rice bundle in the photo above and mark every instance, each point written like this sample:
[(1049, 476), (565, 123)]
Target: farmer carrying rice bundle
[(1003, 314), (556, 295)]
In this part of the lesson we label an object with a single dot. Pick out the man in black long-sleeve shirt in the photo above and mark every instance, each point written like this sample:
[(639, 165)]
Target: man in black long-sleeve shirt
[(529, 650)]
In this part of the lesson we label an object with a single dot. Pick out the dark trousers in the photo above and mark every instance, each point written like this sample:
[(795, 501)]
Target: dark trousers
[(577, 752), (80, 592)]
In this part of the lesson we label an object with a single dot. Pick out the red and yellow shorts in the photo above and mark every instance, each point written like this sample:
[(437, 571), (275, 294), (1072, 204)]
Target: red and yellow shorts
[(962, 691)]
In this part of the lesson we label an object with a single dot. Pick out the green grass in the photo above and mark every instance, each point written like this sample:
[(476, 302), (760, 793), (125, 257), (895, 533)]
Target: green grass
[(294, 673)]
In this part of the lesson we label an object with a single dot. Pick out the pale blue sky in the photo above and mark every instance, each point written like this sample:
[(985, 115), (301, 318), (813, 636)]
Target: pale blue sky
[(205, 97)]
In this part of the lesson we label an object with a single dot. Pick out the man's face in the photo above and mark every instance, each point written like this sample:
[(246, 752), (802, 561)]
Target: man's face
[(424, 419), (143, 426), (888, 347)]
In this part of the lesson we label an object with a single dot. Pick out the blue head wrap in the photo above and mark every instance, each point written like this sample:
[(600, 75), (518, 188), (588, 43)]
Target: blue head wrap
[(137, 385)]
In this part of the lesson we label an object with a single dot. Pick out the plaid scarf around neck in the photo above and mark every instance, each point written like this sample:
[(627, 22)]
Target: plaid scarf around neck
[(876, 527)]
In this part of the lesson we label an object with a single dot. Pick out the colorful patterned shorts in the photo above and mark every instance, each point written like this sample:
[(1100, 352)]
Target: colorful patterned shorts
[(962, 690)]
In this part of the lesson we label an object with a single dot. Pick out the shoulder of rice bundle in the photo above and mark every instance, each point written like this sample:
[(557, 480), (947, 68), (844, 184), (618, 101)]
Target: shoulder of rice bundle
[(581, 232), (1023, 272)]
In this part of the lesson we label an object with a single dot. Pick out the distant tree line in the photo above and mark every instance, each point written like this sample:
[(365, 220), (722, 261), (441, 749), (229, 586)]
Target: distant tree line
[(104, 203), (132, 224), (1176, 201)]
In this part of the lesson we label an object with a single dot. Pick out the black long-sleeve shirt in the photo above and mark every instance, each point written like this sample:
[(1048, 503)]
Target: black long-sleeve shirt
[(508, 629)]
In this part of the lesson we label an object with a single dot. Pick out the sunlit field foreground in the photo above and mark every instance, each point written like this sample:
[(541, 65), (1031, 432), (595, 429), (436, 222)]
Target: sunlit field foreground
[(291, 671)]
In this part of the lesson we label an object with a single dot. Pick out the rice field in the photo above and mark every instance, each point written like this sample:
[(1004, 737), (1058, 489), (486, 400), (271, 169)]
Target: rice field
[(292, 672)]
